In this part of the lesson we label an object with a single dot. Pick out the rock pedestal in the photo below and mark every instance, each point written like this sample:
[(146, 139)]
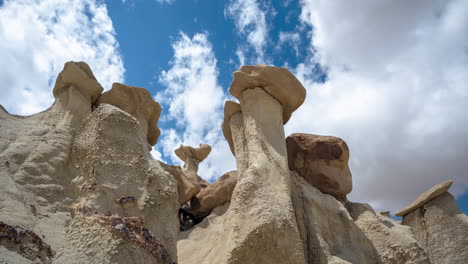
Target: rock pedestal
[(439, 225)]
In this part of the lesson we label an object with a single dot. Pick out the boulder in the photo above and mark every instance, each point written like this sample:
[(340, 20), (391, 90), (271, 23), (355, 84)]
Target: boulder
[(428, 195), (185, 188), (139, 103), (322, 161), (216, 194), (278, 82)]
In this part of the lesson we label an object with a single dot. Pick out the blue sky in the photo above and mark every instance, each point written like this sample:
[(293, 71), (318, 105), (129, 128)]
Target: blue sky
[(389, 77)]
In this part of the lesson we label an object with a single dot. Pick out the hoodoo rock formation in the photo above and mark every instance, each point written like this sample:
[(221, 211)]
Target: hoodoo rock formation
[(79, 185)]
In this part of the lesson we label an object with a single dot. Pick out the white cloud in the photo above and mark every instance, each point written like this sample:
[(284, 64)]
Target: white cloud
[(38, 37), (396, 91), (291, 39), (165, 1), (194, 100), (250, 20)]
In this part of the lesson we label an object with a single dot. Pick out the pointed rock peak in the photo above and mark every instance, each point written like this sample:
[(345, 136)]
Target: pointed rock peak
[(137, 102), (428, 195), (279, 82), (78, 74)]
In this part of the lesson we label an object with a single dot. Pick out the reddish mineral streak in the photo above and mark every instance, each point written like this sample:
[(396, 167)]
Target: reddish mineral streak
[(30, 245), (132, 228)]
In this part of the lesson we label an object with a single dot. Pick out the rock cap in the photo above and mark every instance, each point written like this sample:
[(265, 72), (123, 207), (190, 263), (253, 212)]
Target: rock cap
[(137, 102), (428, 195), (322, 161), (277, 81), (78, 74), (186, 152), (230, 108)]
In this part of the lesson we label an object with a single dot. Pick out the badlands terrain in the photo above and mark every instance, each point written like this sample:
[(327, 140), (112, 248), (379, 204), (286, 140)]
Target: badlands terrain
[(79, 185)]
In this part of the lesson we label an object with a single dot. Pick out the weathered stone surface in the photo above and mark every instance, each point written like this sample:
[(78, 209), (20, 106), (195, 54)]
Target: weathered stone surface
[(322, 161), (230, 108), (139, 103), (278, 82), (78, 74), (185, 188), (260, 217), (329, 234), (192, 157), (428, 195), (441, 229), (113, 163), (187, 153), (216, 194), (394, 242)]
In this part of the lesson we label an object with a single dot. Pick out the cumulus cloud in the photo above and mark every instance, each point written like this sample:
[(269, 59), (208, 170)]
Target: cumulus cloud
[(396, 91), (193, 99), (250, 20), (38, 37)]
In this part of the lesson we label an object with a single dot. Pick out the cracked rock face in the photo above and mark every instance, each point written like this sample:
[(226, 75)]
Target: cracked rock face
[(441, 229), (394, 242), (322, 161)]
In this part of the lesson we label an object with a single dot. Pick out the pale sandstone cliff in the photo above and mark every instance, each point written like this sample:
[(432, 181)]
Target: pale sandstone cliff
[(80, 186)]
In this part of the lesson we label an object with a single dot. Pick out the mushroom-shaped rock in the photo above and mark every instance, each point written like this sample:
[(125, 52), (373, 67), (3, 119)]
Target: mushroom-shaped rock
[(216, 194), (185, 188), (137, 102), (192, 156), (78, 74), (230, 108), (428, 195), (279, 82), (322, 161)]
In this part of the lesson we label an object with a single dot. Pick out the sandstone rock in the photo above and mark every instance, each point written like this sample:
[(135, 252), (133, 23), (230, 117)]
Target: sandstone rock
[(260, 217), (216, 194), (192, 158), (111, 239), (187, 153), (428, 195), (394, 242), (329, 234), (279, 83), (35, 164), (185, 188), (78, 74), (230, 108), (139, 103), (441, 229), (322, 161), (117, 175)]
